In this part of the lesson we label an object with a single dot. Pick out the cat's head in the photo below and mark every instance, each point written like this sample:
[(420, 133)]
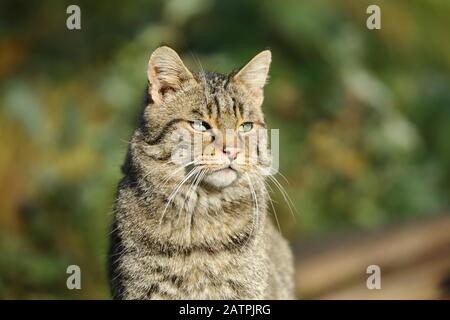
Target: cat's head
[(220, 115)]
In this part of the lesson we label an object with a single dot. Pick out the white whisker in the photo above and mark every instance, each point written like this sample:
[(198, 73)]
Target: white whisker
[(256, 211), (172, 196)]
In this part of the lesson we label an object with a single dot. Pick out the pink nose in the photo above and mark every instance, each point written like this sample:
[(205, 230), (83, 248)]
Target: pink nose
[(231, 152)]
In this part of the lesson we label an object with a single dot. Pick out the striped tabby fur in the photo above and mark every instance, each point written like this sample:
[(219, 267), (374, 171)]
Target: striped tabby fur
[(211, 239)]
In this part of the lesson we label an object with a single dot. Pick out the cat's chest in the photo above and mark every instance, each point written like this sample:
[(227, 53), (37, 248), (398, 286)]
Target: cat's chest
[(203, 203), (213, 277)]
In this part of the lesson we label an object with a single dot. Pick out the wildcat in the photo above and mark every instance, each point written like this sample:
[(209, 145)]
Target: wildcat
[(197, 230)]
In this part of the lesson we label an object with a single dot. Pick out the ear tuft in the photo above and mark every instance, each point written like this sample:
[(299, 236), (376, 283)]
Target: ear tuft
[(254, 74), (166, 72)]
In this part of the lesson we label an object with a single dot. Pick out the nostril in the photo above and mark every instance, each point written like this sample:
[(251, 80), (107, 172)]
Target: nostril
[(231, 153)]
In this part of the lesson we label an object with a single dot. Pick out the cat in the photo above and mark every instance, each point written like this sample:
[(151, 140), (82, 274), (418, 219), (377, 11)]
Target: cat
[(199, 229)]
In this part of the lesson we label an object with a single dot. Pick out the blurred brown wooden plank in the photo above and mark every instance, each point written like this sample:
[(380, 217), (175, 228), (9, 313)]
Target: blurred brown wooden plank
[(398, 248), (421, 282)]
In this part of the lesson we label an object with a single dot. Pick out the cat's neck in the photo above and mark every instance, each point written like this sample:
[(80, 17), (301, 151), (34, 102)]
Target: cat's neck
[(207, 220), (212, 216)]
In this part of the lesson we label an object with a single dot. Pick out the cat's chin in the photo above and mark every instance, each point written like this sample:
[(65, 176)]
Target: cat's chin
[(221, 178)]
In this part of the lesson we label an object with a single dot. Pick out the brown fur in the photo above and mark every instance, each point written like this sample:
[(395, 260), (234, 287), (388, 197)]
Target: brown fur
[(213, 241)]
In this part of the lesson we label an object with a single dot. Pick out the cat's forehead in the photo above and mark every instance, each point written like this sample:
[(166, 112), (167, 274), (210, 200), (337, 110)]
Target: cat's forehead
[(224, 102), (213, 82)]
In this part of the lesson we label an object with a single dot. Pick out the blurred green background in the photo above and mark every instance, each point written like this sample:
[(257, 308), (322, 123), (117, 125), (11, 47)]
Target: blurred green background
[(363, 117)]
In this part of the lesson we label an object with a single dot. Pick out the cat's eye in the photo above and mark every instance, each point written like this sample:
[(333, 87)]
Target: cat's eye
[(200, 126), (246, 127)]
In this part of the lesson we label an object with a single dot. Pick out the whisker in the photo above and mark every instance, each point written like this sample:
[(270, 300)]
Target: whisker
[(187, 195), (283, 176), (189, 216), (256, 212), (284, 193), (286, 197), (271, 204), (125, 141), (172, 196), (172, 174)]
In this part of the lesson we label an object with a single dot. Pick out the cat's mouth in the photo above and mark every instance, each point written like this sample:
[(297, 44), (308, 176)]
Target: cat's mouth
[(225, 169), (222, 177)]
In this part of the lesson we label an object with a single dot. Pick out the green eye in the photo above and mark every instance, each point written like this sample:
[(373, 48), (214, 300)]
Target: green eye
[(200, 126), (246, 127)]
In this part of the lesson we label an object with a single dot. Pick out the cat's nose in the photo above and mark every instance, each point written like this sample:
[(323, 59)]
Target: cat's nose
[(231, 152)]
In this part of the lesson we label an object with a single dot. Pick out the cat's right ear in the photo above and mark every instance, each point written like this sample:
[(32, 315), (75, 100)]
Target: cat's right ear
[(166, 73)]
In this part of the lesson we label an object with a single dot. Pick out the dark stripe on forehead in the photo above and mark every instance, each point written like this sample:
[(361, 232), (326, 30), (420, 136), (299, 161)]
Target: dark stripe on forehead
[(209, 108), (227, 82), (241, 109), (234, 107), (216, 81), (198, 113), (216, 100)]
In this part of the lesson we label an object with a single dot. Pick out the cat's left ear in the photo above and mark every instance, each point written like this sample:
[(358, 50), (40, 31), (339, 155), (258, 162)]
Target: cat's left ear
[(166, 73), (254, 74)]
